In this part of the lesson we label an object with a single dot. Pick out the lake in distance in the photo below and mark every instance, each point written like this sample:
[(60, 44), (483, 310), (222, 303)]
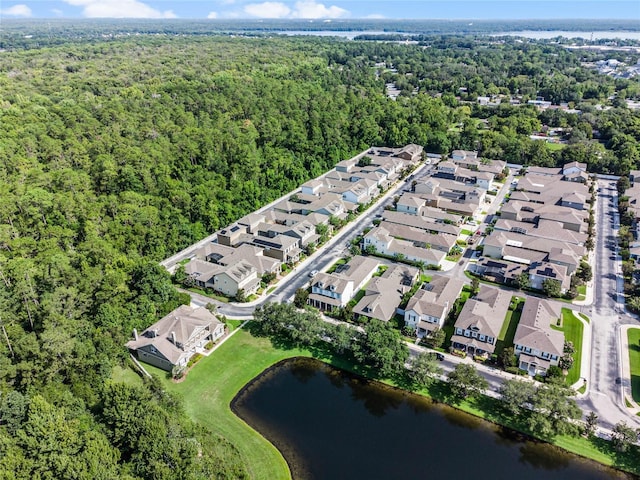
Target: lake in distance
[(331, 425)]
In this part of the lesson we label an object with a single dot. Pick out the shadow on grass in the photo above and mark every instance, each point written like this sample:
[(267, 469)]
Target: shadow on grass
[(629, 460)]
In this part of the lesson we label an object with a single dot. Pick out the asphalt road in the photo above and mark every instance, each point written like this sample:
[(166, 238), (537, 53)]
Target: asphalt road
[(605, 395)]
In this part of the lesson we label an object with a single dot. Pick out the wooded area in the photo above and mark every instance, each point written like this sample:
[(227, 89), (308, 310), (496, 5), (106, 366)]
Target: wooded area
[(116, 153)]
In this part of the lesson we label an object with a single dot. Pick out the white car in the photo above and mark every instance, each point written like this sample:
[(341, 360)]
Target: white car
[(313, 273)]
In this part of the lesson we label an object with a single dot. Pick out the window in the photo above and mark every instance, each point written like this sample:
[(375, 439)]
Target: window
[(482, 337), (474, 334)]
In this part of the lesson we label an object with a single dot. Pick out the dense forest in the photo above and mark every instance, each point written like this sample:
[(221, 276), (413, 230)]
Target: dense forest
[(117, 152)]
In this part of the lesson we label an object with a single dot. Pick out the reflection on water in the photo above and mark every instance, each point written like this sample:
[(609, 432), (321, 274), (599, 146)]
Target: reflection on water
[(332, 425)]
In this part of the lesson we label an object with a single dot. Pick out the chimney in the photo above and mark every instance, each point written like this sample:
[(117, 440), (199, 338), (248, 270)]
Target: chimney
[(173, 337), (135, 334)]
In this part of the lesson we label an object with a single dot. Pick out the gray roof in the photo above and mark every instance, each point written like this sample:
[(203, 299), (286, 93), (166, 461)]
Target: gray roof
[(185, 322), (534, 329), (486, 311), (436, 297)]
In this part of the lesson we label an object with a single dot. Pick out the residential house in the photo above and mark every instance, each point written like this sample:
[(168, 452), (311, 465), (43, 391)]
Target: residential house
[(411, 204), (332, 290), (427, 224), (282, 247), (572, 168), (539, 272), (525, 249), (236, 277), (384, 243), (174, 339), (411, 152), (480, 320), (446, 167), (419, 237), (383, 294), (231, 235), (429, 306), (202, 273), (536, 344)]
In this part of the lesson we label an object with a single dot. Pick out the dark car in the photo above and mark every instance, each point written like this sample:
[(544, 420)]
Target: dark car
[(440, 356)]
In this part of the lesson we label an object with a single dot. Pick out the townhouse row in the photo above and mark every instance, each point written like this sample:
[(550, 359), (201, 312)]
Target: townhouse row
[(542, 229), (261, 242)]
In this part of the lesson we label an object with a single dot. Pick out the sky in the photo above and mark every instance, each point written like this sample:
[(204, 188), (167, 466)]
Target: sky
[(323, 9)]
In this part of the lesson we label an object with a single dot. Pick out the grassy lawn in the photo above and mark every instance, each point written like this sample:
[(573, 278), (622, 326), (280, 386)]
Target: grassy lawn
[(233, 324), (464, 231), (341, 261), (582, 293), (210, 387), (125, 375), (633, 336), (357, 297), (201, 291), (572, 328), (555, 146), (508, 330)]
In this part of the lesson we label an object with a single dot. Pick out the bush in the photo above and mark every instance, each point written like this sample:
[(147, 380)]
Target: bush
[(515, 371), (193, 360)]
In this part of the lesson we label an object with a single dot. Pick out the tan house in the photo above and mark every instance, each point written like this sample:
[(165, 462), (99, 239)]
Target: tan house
[(241, 275), (480, 320), (174, 339), (537, 345)]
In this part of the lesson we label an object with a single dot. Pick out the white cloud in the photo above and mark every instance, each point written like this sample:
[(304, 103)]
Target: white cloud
[(268, 10), (57, 12), (119, 9), (375, 16), (212, 15), (20, 10), (301, 9), (311, 9)]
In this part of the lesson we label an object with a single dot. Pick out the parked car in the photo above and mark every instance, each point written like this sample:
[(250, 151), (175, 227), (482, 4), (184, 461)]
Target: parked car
[(440, 356), (313, 273)]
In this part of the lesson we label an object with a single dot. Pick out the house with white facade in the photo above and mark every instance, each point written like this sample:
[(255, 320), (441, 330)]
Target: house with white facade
[(429, 306)]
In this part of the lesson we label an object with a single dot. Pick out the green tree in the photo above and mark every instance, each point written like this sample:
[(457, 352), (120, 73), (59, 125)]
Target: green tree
[(424, 369), (475, 286), (623, 436), (515, 395), (300, 298), (623, 184), (466, 382), (590, 424), (383, 348), (552, 287), (508, 357), (523, 282), (553, 410), (437, 337)]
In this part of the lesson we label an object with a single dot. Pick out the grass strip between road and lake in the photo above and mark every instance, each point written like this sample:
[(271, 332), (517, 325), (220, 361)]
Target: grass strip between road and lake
[(209, 388), (573, 328), (633, 338)]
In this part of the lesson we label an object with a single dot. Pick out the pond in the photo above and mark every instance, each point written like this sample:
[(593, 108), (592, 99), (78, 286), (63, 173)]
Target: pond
[(330, 424)]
